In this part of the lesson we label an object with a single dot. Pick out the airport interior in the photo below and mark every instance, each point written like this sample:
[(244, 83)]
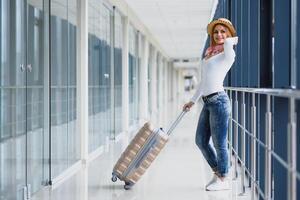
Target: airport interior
[(79, 78)]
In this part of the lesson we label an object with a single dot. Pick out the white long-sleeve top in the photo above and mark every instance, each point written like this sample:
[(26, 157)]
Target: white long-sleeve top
[(214, 70)]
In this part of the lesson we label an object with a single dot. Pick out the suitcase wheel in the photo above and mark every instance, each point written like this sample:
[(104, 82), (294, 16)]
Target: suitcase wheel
[(128, 185), (114, 177)]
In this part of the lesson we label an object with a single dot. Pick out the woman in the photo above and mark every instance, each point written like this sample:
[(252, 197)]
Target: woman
[(213, 120)]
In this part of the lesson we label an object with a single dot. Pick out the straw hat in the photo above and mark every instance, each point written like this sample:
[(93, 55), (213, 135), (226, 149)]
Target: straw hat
[(222, 21)]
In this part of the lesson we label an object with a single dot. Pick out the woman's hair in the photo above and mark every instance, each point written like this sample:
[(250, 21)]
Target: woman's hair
[(212, 41)]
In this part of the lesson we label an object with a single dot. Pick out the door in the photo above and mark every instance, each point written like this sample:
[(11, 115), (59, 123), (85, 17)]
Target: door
[(106, 75), (37, 140), (22, 138), (13, 99)]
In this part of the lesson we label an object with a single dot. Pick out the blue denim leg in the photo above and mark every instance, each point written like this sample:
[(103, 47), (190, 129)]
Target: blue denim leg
[(203, 135), (219, 109)]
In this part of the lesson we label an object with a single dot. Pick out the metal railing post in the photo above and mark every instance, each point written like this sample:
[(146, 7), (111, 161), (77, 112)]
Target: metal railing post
[(230, 130), (243, 141), (268, 160), (236, 145), (267, 192), (292, 152), (253, 148)]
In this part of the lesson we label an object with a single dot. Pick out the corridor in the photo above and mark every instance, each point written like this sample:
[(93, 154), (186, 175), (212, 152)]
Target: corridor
[(179, 173), (78, 78)]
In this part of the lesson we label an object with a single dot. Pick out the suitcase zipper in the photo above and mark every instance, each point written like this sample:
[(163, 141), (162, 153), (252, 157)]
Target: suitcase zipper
[(146, 151), (141, 154)]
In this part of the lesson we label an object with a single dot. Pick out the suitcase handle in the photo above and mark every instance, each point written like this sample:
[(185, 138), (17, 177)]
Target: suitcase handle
[(174, 124)]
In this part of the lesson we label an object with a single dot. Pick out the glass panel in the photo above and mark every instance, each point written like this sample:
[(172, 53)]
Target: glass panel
[(99, 74), (94, 69), (65, 140), (133, 76), (73, 134), (35, 95), (106, 71), (118, 72), (59, 83), (150, 65), (158, 81), (12, 99), (95, 35)]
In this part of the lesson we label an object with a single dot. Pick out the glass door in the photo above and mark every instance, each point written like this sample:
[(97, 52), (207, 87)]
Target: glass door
[(22, 144), (100, 62), (36, 137), (117, 71), (12, 99), (106, 73)]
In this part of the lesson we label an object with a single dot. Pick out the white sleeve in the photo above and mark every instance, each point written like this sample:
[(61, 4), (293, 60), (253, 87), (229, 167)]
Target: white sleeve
[(228, 48), (197, 94), (199, 90)]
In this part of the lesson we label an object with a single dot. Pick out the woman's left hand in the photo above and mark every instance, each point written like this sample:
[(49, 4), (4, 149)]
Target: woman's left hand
[(234, 40)]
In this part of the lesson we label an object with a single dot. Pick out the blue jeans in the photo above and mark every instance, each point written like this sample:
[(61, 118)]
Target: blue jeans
[(213, 122)]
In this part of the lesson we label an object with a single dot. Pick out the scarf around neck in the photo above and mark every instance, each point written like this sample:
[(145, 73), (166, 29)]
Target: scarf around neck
[(213, 50)]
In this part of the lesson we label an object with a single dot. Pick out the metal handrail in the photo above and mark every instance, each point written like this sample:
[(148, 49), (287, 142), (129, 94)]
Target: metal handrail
[(239, 123), (290, 93), (250, 134), (274, 154)]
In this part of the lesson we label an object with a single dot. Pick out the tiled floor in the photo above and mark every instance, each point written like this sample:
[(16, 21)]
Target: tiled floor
[(179, 173)]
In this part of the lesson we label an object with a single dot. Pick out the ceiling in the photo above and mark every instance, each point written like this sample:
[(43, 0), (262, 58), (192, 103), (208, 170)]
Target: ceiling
[(178, 25)]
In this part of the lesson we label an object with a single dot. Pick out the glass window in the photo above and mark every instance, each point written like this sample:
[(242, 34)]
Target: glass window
[(158, 64), (12, 98), (150, 66), (65, 140), (133, 76), (100, 112), (118, 71), (22, 134)]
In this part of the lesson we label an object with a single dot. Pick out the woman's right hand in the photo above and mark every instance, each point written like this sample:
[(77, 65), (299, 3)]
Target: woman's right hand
[(187, 106)]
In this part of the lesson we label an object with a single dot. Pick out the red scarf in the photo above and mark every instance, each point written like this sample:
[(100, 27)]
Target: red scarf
[(213, 50)]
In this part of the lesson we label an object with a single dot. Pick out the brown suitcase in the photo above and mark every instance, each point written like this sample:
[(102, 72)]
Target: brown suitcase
[(141, 152)]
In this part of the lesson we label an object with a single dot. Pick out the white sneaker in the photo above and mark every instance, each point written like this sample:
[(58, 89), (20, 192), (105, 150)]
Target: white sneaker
[(219, 185), (213, 179)]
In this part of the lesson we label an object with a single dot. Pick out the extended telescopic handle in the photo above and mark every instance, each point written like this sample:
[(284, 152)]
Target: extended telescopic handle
[(174, 124)]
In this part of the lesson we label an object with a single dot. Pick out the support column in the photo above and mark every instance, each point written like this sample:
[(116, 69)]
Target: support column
[(144, 80), (82, 77), (125, 60)]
